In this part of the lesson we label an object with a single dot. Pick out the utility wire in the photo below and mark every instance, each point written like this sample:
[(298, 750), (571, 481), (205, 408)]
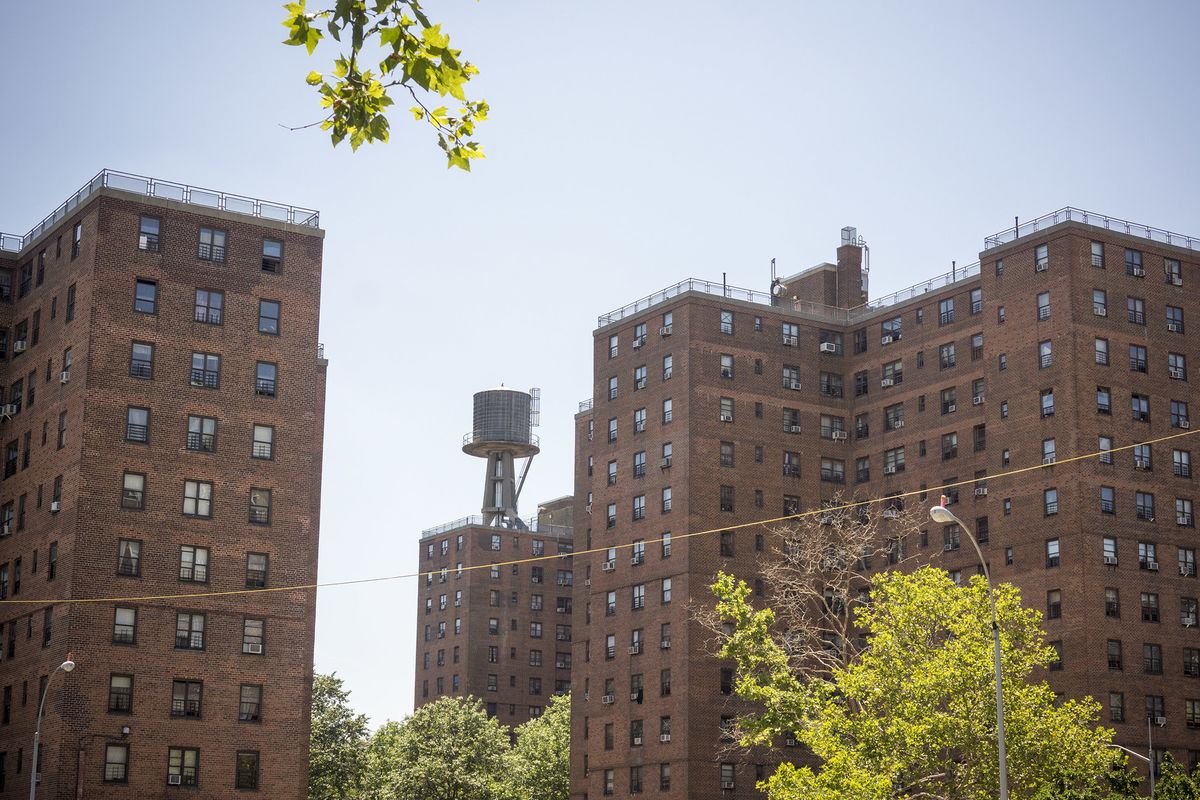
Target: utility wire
[(535, 559)]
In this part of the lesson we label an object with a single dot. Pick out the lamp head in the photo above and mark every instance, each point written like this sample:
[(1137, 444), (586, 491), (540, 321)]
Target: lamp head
[(941, 514), (69, 664)]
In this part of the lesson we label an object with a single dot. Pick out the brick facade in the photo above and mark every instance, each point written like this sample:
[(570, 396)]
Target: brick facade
[(133, 688), (758, 428)]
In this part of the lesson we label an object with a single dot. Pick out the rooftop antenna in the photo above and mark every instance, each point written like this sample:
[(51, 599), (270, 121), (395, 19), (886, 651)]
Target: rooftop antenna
[(776, 285)]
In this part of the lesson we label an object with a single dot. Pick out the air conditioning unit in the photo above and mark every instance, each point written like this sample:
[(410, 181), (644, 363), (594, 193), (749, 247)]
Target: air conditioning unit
[(587, 582), (1152, 565), (8, 409), (634, 696), (727, 418), (790, 742), (947, 548), (1110, 561), (637, 560), (7, 530), (840, 435), (951, 408), (665, 330), (609, 566), (608, 699), (637, 741), (55, 506), (254, 648), (898, 424), (638, 342), (563, 582), (1139, 272), (666, 644), (793, 428), (174, 780), (1048, 460), (1187, 570), (1160, 721), (634, 649), (887, 383), (1041, 266), (666, 462), (1177, 279), (793, 384), (1176, 373), (588, 508), (1100, 311), (886, 340), (981, 491), (890, 469), (977, 400), (1173, 327), (664, 738), (64, 376), (828, 347), (726, 784), (1141, 463), (19, 346), (1183, 423)]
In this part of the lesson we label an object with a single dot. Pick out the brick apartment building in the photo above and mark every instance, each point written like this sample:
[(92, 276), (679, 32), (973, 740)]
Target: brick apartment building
[(162, 428), (717, 406), (502, 634)]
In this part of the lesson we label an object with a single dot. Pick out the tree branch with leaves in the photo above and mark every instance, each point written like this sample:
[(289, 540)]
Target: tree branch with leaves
[(414, 56)]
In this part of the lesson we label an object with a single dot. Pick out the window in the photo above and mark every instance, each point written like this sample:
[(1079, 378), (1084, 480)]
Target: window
[(1052, 553), (1045, 354), (197, 499), (666, 590), (946, 311), (727, 494), (1102, 352), (129, 557), (256, 572), (182, 765), (264, 382), (1116, 706), (209, 306), (211, 246), (1183, 512), (976, 301), (148, 228), (193, 563), (1152, 659), (1137, 358), (1047, 396), (1135, 310), (1145, 506), (201, 434), (186, 698), (1133, 263), (206, 370), (133, 493), (1181, 463), (832, 385), (260, 506), (137, 424), (62, 430), (252, 636), (1041, 257), (947, 357), (146, 297), (1115, 661), (246, 774), (1140, 405), (1098, 255), (949, 446), (1149, 607), (1043, 306), (833, 470), (1050, 502), (189, 631), (1108, 503), (1179, 414), (1174, 319), (116, 756), (120, 693), (1177, 366), (141, 360), (124, 625), (727, 322)]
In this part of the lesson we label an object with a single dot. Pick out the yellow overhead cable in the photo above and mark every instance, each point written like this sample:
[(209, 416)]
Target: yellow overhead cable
[(774, 520)]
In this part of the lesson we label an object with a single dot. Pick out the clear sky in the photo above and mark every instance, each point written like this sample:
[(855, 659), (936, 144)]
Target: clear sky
[(630, 146)]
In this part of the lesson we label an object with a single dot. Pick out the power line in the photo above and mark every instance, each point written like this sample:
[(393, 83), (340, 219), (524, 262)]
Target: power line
[(534, 559)]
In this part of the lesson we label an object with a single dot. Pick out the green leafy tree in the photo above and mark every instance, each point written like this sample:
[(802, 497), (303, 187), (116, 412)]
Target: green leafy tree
[(1174, 783), (336, 746), (414, 55), (447, 750), (539, 764), (912, 714)]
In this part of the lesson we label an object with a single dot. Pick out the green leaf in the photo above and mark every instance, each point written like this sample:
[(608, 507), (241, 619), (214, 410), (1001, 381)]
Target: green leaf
[(313, 79)]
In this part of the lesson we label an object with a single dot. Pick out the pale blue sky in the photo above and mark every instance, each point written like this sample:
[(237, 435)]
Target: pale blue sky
[(629, 147)]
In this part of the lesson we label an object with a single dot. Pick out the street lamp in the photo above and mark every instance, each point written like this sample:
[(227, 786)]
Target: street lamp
[(65, 666), (945, 516)]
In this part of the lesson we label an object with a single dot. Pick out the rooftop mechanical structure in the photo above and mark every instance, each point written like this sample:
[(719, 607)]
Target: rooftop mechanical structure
[(502, 433)]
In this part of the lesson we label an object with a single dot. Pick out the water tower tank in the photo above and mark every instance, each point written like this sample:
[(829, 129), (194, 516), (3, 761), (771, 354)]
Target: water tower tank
[(501, 422)]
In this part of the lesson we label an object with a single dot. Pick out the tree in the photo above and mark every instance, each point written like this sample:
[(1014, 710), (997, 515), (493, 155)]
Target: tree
[(415, 56), (539, 764), (336, 757), (1174, 783), (912, 712), (447, 750)]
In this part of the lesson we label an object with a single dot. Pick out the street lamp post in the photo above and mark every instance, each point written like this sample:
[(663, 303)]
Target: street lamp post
[(65, 666), (944, 516)]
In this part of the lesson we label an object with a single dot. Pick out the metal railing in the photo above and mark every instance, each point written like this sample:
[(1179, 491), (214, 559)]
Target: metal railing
[(167, 190), (476, 521), (1070, 214), (585, 405), (916, 290)]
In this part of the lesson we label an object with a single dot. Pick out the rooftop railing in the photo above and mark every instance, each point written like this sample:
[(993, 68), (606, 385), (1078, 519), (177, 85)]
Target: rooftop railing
[(167, 190), (1070, 214), (476, 521), (689, 285), (585, 405), (953, 276)]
